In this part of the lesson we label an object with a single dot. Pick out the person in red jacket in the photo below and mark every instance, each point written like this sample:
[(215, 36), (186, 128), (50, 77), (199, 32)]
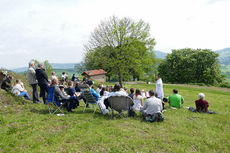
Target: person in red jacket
[(201, 104)]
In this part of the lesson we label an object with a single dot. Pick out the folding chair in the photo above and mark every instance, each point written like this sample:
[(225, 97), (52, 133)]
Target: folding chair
[(54, 106), (89, 99), (120, 104)]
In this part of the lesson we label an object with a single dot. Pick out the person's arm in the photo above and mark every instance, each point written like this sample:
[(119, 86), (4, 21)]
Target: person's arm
[(141, 99), (94, 93), (45, 76), (145, 105), (182, 100)]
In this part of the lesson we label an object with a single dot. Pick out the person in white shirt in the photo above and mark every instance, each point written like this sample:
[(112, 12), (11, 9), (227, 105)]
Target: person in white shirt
[(152, 107), (159, 88), (19, 90), (99, 88), (53, 76), (116, 92), (137, 100)]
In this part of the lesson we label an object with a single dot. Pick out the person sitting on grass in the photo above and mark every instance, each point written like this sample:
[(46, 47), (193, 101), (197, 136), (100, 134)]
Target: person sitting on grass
[(152, 109), (19, 90), (6, 83), (201, 105), (137, 100), (175, 100)]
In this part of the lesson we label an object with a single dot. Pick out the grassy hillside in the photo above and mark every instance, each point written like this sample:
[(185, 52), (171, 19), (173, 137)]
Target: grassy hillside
[(29, 128)]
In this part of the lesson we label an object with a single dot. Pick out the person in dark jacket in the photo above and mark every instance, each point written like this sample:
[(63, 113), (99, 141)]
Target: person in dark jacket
[(42, 81), (6, 84), (60, 97)]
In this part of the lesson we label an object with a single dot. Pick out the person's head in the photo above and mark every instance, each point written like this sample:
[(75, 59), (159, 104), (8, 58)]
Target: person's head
[(70, 83), (17, 81), (53, 73), (138, 92), (63, 73), (74, 74), (11, 77), (158, 77), (90, 84), (55, 81), (40, 65), (102, 91), (151, 93), (107, 88), (131, 90), (62, 88), (100, 86), (117, 87), (125, 89), (77, 84), (201, 96), (175, 91), (31, 64)]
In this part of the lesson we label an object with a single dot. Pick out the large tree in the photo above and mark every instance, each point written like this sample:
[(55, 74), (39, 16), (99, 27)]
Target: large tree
[(191, 66), (121, 47)]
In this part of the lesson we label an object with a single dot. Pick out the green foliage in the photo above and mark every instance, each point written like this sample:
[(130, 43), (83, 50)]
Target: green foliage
[(121, 47), (191, 66)]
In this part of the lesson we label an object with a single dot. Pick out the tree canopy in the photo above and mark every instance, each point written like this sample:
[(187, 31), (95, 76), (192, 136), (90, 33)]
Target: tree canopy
[(191, 66), (121, 47)]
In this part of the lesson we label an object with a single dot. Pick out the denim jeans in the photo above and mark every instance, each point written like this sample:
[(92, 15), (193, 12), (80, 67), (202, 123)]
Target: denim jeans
[(24, 94)]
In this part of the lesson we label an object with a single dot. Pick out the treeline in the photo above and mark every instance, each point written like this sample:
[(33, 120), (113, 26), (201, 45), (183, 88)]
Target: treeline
[(124, 49)]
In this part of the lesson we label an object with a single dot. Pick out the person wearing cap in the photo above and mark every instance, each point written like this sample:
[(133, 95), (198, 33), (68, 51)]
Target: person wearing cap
[(42, 81)]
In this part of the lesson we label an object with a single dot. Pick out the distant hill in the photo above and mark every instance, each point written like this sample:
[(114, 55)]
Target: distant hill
[(224, 56), (62, 66), (160, 54)]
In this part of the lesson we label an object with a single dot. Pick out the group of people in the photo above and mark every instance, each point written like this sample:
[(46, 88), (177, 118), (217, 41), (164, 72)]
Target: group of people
[(151, 110), (17, 87)]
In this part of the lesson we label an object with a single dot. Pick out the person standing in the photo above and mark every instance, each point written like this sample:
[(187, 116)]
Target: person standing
[(42, 81), (31, 76), (159, 88)]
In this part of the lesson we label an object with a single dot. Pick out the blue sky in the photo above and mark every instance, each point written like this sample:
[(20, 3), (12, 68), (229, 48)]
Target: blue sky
[(56, 30)]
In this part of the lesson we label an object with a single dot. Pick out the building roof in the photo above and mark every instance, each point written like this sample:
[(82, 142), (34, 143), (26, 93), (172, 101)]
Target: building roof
[(94, 72)]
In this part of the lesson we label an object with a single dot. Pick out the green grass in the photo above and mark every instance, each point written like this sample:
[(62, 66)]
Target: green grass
[(27, 127)]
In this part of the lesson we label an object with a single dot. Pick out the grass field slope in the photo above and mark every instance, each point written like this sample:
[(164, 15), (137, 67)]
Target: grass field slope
[(27, 127)]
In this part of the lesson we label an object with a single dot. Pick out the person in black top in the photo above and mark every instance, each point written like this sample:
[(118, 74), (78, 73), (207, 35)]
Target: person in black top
[(131, 93), (77, 89), (73, 77), (6, 84), (42, 81)]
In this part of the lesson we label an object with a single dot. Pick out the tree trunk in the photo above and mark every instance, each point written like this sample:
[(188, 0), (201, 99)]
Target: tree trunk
[(134, 77), (120, 78)]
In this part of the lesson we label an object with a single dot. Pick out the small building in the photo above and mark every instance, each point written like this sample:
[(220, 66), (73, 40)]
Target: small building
[(96, 75)]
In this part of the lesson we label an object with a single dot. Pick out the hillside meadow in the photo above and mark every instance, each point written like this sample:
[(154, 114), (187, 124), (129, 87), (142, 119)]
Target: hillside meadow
[(27, 127)]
